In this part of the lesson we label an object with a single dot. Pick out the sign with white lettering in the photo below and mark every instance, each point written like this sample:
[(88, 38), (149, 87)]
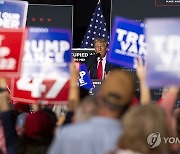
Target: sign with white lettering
[(37, 90), (47, 53), (45, 67), (11, 51), (127, 42), (163, 59), (13, 13), (80, 54), (84, 78)]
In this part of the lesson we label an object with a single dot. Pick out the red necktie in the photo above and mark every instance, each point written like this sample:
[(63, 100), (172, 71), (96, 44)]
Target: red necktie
[(100, 69)]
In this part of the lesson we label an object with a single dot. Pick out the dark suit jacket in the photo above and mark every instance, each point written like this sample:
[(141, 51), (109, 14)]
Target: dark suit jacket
[(91, 65)]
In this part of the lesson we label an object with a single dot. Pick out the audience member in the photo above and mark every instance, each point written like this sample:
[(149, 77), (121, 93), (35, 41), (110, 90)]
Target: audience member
[(99, 134), (8, 120), (2, 140), (138, 123), (20, 124), (39, 131), (87, 109), (60, 111), (39, 128)]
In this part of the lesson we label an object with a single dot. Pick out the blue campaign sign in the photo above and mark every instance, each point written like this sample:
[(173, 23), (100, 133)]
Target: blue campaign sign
[(127, 42), (84, 79), (13, 13), (163, 55), (47, 53)]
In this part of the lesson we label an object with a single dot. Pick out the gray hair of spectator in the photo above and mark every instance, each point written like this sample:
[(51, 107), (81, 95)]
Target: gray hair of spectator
[(87, 109), (60, 110)]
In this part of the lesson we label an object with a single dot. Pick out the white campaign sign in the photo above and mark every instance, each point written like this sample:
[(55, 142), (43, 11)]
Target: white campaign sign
[(168, 44), (130, 45), (44, 50), (163, 59), (9, 20)]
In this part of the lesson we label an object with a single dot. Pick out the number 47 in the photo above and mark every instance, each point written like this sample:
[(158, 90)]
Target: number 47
[(37, 87)]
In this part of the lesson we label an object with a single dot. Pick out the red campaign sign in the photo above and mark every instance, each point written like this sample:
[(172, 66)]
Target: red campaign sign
[(11, 51), (45, 91)]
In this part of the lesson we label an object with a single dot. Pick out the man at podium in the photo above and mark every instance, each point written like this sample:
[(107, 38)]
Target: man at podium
[(97, 65)]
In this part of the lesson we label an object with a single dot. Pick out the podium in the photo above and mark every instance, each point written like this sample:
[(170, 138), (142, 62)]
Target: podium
[(96, 84)]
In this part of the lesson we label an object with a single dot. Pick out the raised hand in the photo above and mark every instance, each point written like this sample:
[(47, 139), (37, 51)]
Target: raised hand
[(4, 96)]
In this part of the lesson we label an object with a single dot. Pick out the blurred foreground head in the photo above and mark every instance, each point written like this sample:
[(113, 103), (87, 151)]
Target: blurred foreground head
[(87, 109), (140, 122), (117, 91)]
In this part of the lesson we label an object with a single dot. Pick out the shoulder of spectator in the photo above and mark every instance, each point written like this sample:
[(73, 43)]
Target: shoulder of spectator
[(73, 129)]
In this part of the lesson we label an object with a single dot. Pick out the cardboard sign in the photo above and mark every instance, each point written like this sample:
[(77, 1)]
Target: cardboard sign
[(13, 13), (47, 53), (163, 59), (37, 90), (84, 78), (45, 67), (127, 42), (11, 51)]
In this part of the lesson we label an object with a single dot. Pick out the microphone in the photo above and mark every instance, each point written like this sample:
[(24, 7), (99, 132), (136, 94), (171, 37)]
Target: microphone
[(98, 55)]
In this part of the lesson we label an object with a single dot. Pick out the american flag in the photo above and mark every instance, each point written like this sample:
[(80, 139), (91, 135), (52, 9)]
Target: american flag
[(96, 29)]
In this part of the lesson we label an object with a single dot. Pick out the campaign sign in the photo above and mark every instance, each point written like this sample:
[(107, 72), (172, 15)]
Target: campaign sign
[(45, 67), (11, 50), (127, 42), (13, 13), (37, 90), (163, 58), (84, 79), (47, 53)]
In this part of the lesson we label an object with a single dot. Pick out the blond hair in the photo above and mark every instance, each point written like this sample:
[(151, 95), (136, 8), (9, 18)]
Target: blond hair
[(138, 123)]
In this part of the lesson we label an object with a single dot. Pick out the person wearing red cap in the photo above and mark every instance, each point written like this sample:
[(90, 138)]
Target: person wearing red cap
[(38, 126), (39, 129)]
